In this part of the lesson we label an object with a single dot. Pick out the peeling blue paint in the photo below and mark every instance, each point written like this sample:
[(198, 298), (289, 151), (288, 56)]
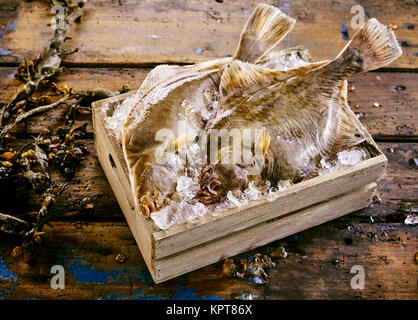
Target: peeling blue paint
[(246, 11), (179, 294), (198, 50), (85, 273), (5, 52), (6, 273), (190, 294), (8, 28), (112, 297), (344, 32)]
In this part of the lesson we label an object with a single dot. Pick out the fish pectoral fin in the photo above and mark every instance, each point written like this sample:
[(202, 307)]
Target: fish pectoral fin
[(265, 28), (348, 135), (241, 76), (263, 141), (240, 79)]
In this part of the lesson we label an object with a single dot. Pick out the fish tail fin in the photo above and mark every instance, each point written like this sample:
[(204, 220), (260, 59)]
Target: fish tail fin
[(372, 47), (266, 27)]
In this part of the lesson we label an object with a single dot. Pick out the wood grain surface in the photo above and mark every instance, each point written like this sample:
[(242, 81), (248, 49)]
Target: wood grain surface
[(118, 42), (130, 32)]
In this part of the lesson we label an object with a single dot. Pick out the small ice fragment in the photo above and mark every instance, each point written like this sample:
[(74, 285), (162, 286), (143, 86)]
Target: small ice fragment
[(186, 187), (351, 157), (256, 280), (284, 253), (376, 105), (200, 209), (192, 211), (165, 217), (116, 121), (153, 36), (194, 150), (233, 200), (279, 253), (283, 185), (411, 220), (246, 11), (252, 193), (246, 296), (324, 164), (205, 113)]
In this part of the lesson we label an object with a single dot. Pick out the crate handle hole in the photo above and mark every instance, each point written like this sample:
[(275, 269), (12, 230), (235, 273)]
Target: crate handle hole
[(112, 162)]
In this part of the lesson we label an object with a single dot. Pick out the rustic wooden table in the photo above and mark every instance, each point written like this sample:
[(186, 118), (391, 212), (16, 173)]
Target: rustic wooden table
[(118, 43)]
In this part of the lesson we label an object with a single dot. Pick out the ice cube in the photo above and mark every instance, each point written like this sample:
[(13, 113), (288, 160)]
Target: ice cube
[(234, 201), (252, 193), (350, 157), (186, 187), (118, 118), (411, 220)]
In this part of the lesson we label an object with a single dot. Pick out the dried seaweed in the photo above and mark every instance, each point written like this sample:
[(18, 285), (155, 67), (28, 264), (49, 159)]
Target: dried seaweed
[(62, 149)]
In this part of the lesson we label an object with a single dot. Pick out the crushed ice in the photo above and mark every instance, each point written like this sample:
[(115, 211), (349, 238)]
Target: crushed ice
[(187, 209), (184, 208), (343, 159), (116, 121)]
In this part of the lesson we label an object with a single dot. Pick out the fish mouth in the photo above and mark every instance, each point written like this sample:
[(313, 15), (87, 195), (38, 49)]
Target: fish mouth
[(211, 190), (210, 194)]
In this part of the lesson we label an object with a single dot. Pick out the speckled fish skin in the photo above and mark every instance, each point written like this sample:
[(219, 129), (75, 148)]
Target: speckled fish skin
[(160, 105), (303, 109)]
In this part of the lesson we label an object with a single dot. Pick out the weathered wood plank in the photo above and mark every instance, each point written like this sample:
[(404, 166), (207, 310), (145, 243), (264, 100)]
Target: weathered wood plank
[(317, 267), (129, 32), (255, 236), (397, 96), (397, 93), (397, 189)]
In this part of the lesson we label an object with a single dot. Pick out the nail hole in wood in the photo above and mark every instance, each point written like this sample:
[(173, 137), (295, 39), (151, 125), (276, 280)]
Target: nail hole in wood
[(112, 162)]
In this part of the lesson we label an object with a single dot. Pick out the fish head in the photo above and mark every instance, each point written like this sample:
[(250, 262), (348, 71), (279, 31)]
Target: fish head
[(217, 179)]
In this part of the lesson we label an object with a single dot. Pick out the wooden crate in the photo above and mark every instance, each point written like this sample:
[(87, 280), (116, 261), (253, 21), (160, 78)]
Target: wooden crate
[(189, 246)]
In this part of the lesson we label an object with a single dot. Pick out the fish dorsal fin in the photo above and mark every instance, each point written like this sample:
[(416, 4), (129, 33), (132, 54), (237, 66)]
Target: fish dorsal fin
[(241, 75), (164, 75), (266, 27), (157, 76)]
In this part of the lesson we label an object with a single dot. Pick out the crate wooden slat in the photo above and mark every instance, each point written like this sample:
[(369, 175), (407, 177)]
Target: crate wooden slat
[(189, 246)]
